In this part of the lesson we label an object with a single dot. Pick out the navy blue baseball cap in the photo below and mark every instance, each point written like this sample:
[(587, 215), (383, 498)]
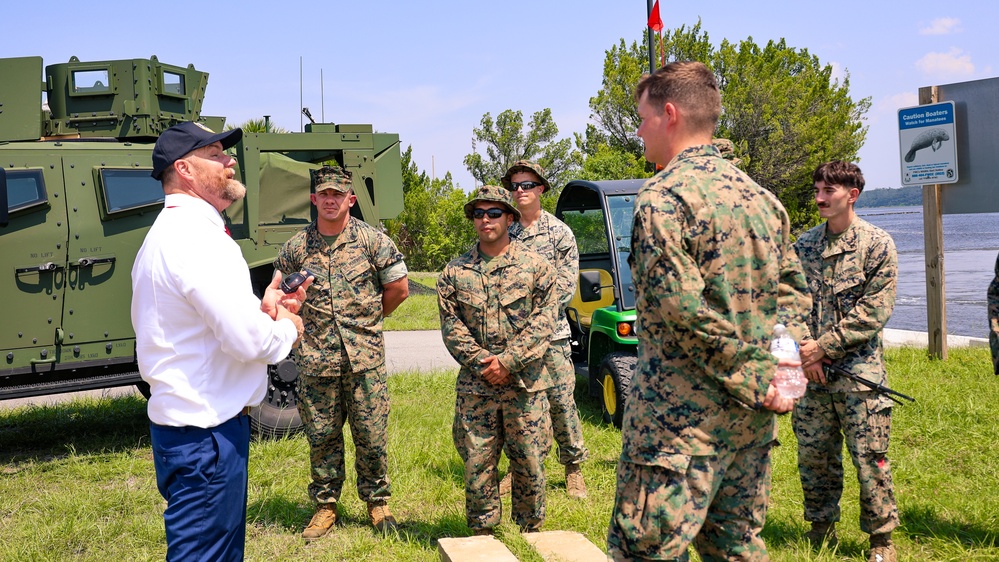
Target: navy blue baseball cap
[(184, 137)]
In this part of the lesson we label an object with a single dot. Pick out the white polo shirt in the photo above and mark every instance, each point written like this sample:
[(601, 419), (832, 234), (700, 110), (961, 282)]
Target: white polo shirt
[(203, 344)]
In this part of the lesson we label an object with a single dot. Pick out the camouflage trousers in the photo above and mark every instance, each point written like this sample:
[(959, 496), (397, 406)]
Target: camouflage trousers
[(567, 429), (821, 421), (362, 400), (719, 504), (516, 421)]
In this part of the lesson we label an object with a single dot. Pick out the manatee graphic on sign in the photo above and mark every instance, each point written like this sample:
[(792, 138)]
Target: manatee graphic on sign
[(927, 144), (932, 138)]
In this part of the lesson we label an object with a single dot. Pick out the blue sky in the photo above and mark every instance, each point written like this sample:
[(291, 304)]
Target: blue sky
[(429, 70)]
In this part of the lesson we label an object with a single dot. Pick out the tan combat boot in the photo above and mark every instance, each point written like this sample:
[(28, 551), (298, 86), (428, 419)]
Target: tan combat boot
[(381, 517), (506, 484), (882, 549), (822, 532), (321, 522), (574, 483)]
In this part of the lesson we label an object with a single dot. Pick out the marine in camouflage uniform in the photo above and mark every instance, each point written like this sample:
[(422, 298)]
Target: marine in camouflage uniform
[(554, 240), (714, 270), (497, 305), (360, 277), (852, 267), (727, 150), (993, 298)]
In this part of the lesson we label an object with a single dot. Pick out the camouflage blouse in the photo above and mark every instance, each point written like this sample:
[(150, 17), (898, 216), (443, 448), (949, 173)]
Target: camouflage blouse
[(852, 280), (343, 311), (554, 240), (993, 297), (714, 270), (502, 306)]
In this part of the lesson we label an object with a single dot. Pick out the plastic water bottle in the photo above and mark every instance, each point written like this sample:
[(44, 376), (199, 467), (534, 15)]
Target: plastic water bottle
[(790, 381)]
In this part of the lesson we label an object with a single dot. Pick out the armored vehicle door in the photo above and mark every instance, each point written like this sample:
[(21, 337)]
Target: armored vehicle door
[(111, 203), (33, 247)]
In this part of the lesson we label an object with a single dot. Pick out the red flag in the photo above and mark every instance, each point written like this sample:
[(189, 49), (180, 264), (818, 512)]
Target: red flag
[(655, 22)]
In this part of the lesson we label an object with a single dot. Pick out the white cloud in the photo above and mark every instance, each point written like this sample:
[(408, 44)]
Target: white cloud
[(942, 26), (952, 63), (838, 72), (897, 101), (885, 109)]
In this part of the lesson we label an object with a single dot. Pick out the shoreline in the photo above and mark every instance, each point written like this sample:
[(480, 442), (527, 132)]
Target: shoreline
[(899, 338)]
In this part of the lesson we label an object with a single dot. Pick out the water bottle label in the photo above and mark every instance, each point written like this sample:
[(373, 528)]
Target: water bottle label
[(785, 348)]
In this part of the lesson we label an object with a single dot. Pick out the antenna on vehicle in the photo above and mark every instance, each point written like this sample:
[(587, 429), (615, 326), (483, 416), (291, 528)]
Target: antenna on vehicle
[(301, 96)]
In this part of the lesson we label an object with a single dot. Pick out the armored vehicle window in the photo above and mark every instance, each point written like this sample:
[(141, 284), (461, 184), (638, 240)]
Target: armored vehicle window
[(25, 188), (125, 191), (91, 82), (173, 83)]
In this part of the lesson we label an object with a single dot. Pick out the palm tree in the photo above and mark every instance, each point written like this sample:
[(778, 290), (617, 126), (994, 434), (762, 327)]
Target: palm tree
[(258, 126)]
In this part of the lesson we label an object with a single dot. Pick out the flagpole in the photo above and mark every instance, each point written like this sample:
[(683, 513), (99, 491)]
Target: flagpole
[(655, 24), (652, 41)]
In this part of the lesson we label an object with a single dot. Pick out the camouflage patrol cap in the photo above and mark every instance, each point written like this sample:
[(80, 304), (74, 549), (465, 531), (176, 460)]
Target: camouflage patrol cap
[(492, 193), (526, 166), (329, 177)]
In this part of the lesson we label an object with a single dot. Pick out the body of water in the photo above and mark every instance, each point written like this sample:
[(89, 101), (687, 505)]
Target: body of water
[(971, 242)]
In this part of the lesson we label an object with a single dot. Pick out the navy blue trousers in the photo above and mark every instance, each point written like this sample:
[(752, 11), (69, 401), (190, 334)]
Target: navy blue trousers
[(202, 474)]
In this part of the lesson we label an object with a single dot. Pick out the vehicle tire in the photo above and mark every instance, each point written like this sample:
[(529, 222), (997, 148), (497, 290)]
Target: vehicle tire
[(615, 377), (268, 421), (277, 416)]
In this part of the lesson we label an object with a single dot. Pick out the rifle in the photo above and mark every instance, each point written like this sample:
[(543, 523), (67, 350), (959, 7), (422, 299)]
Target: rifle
[(879, 388)]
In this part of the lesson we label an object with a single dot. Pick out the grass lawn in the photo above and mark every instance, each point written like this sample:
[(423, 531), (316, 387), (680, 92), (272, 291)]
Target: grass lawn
[(77, 482), (419, 310)]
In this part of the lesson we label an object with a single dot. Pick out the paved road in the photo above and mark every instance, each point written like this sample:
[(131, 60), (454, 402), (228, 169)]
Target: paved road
[(421, 350), (404, 352)]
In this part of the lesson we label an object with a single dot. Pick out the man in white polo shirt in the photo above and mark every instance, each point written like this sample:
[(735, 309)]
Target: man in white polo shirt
[(203, 343)]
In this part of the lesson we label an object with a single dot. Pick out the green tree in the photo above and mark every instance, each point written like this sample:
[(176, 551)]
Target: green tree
[(432, 229), (780, 107), (506, 141), (786, 115), (606, 163), (911, 195), (613, 109)]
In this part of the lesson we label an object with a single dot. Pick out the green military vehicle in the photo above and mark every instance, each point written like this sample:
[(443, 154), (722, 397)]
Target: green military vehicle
[(602, 312), (76, 200)]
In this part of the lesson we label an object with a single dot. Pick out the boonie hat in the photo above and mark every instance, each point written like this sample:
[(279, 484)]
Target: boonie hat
[(330, 177), (526, 166), (492, 193), (184, 137), (727, 149)]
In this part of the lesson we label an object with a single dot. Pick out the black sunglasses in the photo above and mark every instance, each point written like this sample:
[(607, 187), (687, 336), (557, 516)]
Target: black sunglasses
[(493, 213), (525, 185)]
